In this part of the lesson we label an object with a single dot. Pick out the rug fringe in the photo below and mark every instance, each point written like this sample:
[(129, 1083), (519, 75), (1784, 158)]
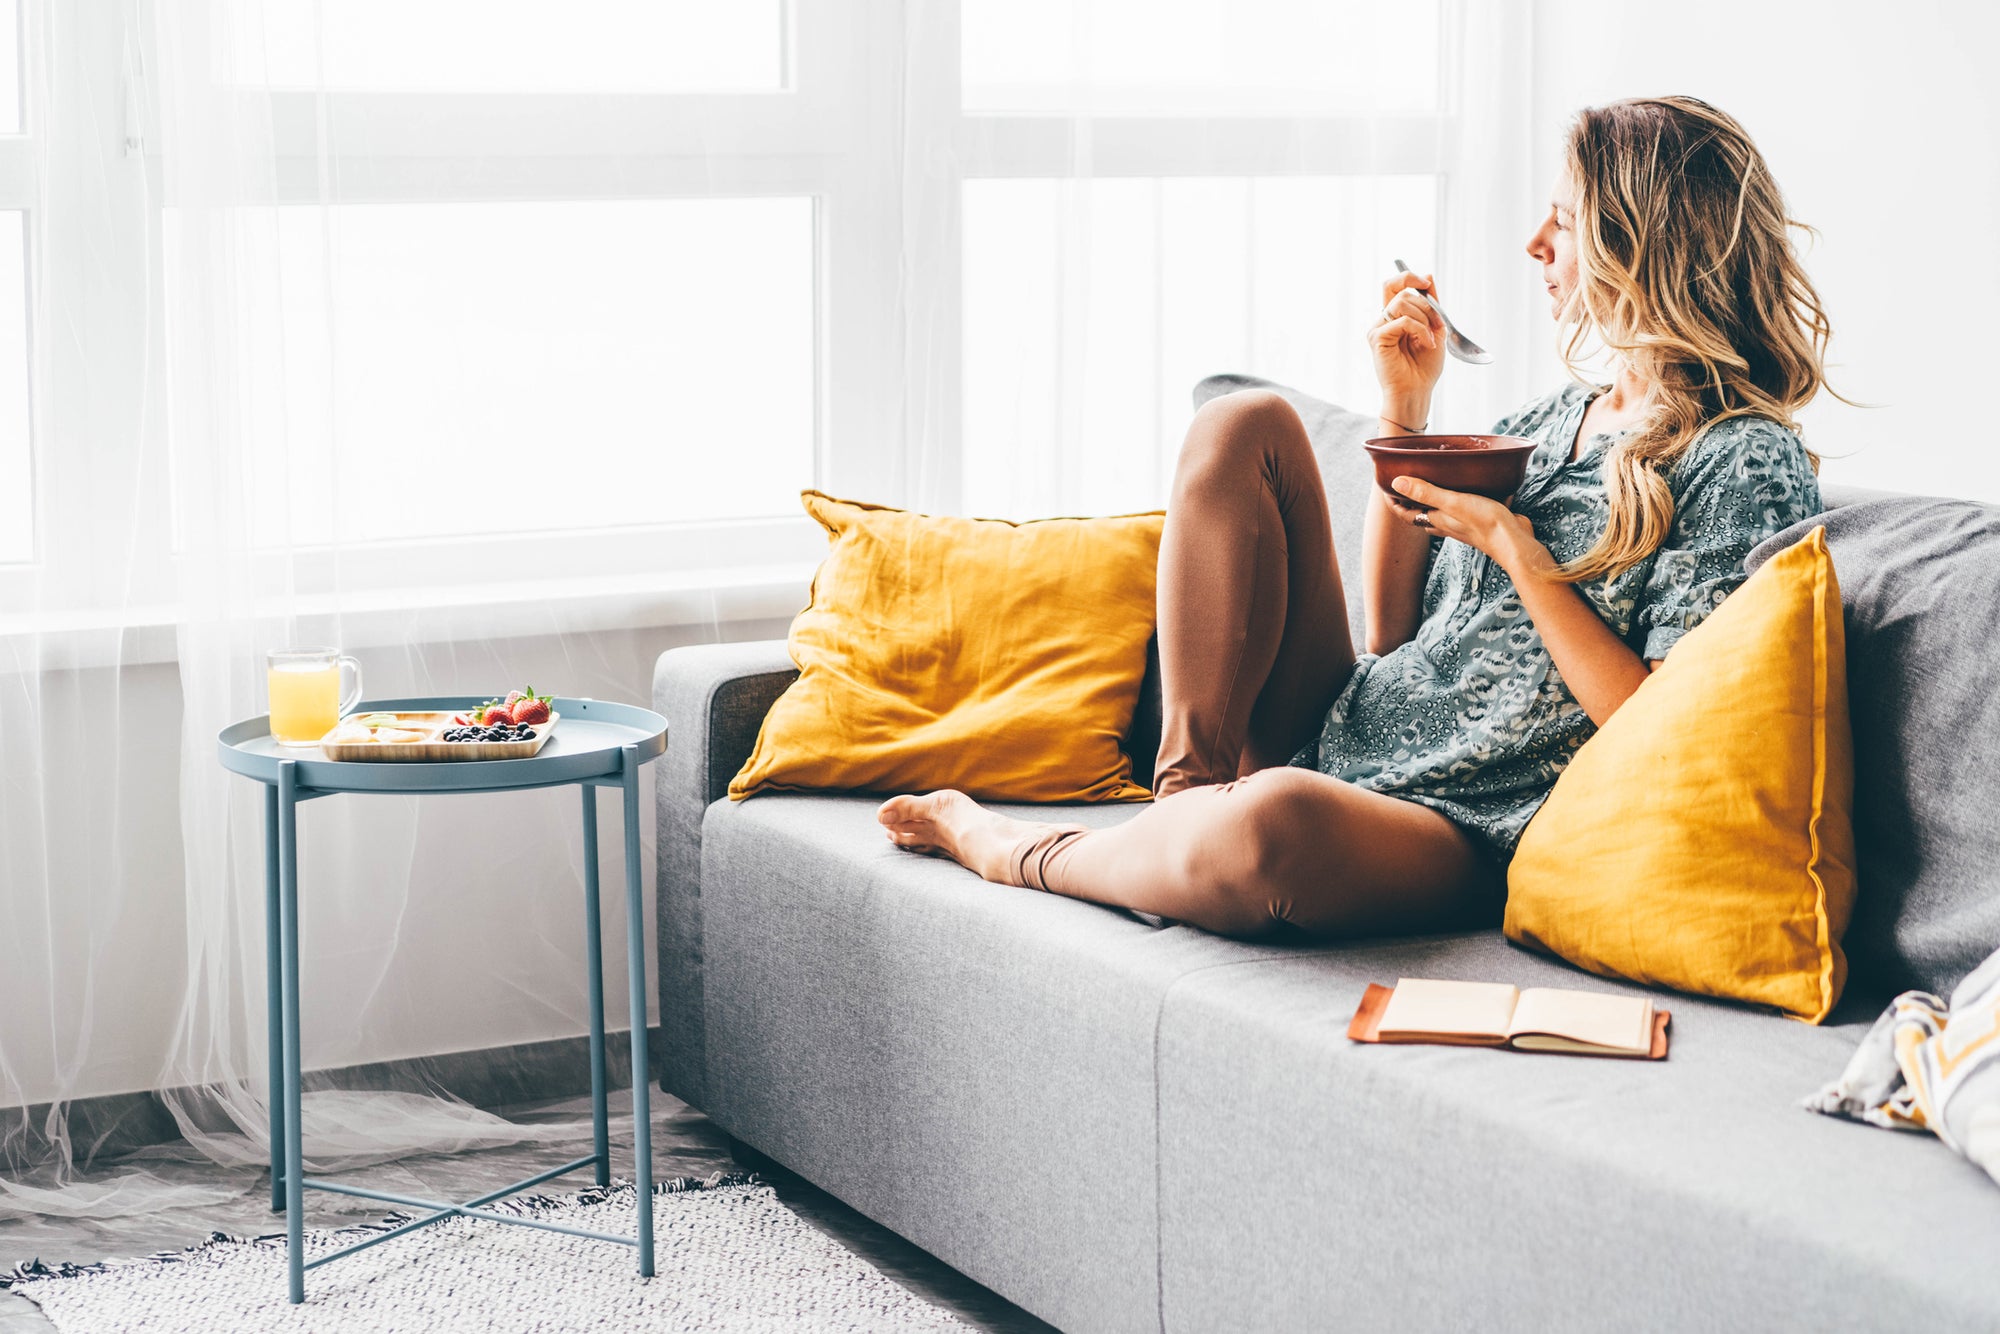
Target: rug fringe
[(35, 1270)]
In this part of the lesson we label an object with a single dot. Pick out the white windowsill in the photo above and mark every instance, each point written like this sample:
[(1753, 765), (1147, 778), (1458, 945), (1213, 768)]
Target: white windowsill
[(516, 609)]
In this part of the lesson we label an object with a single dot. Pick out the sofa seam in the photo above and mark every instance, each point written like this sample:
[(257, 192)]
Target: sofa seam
[(1159, 1154)]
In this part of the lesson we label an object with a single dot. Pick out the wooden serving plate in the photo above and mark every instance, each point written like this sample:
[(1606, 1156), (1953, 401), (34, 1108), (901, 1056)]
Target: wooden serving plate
[(430, 750)]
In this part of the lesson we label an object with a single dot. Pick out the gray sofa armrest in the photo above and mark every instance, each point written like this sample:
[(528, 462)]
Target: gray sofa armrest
[(714, 698)]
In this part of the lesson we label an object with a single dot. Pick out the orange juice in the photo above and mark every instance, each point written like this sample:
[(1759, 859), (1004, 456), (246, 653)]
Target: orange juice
[(305, 701)]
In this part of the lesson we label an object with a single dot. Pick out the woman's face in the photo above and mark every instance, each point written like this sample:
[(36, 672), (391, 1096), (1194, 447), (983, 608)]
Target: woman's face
[(1553, 245)]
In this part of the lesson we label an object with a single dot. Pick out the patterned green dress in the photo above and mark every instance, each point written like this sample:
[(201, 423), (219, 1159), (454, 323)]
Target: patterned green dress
[(1470, 716)]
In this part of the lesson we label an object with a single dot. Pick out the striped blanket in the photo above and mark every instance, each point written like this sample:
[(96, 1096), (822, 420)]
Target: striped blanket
[(1929, 1065)]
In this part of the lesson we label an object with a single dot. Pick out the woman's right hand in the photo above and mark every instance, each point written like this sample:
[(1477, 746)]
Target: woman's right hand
[(1408, 343)]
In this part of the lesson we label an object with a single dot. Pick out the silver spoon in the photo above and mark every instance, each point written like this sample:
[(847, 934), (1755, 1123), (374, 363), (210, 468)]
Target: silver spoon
[(1455, 342)]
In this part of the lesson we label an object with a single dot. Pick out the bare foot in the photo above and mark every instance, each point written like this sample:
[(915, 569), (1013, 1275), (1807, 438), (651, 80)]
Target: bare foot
[(949, 823)]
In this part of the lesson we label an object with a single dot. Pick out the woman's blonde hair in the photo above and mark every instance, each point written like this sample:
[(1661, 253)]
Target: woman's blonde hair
[(1685, 269)]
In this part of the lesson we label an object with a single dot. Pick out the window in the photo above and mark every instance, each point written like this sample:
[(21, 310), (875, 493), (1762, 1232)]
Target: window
[(10, 67), (17, 489), (578, 260), (17, 476), (718, 252), (514, 47), (1181, 57), (1155, 193), (1186, 277), (519, 367)]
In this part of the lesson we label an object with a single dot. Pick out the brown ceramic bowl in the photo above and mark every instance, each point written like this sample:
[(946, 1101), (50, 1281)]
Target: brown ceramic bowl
[(1485, 465)]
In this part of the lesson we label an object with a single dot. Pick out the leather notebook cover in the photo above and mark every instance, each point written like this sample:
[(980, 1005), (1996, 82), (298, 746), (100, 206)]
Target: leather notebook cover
[(1366, 1026)]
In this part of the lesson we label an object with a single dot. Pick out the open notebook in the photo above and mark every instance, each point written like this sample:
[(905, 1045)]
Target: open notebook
[(1493, 1014)]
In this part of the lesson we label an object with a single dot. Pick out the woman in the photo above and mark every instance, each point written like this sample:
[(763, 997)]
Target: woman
[(1301, 788)]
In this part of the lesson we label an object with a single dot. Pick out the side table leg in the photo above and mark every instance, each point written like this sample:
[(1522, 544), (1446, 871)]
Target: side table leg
[(274, 1019), (288, 917), (635, 953), (593, 947)]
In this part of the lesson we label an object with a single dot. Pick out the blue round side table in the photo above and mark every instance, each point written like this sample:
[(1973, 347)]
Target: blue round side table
[(595, 745)]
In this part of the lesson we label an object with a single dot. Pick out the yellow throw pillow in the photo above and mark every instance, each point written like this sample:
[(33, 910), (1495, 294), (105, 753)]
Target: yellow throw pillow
[(1003, 659), (1703, 839)]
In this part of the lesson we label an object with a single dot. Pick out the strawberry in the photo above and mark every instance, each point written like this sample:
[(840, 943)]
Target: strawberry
[(514, 697), (531, 709), (490, 714)]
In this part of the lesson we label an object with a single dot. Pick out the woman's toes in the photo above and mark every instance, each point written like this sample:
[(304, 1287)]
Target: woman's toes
[(911, 821), (921, 823), (927, 808)]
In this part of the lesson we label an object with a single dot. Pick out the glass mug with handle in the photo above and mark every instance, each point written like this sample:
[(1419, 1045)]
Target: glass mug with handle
[(306, 701)]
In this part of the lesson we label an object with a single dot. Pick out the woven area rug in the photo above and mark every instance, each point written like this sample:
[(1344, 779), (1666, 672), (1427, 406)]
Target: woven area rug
[(728, 1256)]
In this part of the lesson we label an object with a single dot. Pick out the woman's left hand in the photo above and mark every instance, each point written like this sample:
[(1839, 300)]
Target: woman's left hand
[(1486, 525)]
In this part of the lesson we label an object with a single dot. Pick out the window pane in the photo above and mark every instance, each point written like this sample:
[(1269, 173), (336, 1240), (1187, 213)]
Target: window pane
[(17, 476), (510, 46), (1093, 306), (450, 369), (10, 67), (1208, 57)]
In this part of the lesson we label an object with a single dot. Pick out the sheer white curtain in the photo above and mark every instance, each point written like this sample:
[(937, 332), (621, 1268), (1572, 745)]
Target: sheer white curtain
[(1153, 193), (493, 341)]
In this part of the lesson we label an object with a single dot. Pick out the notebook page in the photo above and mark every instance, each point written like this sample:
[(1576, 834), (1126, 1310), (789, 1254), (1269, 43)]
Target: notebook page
[(1422, 1005), (1596, 1017)]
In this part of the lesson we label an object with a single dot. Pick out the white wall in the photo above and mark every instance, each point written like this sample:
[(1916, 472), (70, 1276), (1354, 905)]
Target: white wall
[(1881, 123)]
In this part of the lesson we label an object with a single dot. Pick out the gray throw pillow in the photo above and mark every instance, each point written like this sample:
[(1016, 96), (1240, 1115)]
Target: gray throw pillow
[(1920, 581)]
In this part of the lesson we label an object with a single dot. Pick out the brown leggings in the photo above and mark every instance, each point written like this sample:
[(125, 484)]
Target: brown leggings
[(1254, 647)]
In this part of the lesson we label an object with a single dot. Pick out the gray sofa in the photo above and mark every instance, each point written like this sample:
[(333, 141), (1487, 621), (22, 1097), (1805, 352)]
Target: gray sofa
[(1127, 1127)]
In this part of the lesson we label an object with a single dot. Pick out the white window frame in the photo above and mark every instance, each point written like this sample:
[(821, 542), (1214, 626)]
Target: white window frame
[(888, 400), (18, 176)]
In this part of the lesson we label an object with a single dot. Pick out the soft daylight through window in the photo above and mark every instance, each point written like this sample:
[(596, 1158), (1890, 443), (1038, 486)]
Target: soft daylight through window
[(531, 350), (1153, 57), (1092, 306), (512, 46), (17, 492), (10, 67)]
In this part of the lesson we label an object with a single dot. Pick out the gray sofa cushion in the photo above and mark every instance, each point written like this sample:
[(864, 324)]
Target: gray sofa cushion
[(1309, 1182), (1123, 1128), (969, 1064), (1920, 578)]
